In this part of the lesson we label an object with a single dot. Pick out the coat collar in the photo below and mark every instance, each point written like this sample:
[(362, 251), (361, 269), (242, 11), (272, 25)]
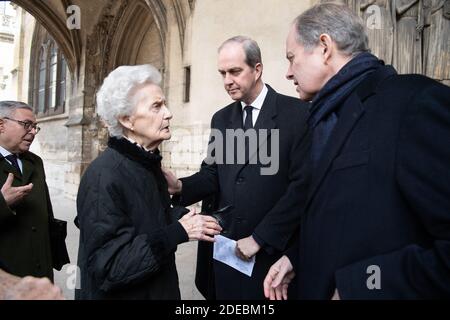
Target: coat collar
[(28, 165), (135, 152), (351, 113)]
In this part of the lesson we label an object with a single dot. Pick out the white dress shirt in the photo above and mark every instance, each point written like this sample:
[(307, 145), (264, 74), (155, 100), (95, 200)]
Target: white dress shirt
[(257, 105)]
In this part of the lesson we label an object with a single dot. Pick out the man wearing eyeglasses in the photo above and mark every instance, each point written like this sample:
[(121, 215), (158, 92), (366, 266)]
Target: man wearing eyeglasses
[(25, 205)]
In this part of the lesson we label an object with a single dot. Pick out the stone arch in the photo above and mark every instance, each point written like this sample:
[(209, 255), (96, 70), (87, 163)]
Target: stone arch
[(138, 30), (183, 11), (119, 34), (125, 33), (69, 41), (159, 14)]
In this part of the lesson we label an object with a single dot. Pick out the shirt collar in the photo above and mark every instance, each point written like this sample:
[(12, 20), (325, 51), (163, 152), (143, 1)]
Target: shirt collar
[(257, 104), (4, 152)]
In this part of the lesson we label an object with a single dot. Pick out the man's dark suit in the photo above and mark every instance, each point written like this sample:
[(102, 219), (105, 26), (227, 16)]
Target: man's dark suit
[(268, 206), (381, 195), (24, 228)]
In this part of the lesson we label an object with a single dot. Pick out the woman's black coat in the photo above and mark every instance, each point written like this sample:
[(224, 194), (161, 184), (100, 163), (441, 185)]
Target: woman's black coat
[(128, 232)]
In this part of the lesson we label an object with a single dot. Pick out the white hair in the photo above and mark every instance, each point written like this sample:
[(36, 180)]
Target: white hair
[(114, 99)]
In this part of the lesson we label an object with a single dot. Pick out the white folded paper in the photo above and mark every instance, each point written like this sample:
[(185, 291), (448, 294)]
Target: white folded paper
[(224, 251)]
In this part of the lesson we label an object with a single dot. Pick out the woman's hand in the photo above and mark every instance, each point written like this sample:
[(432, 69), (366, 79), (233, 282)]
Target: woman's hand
[(200, 227)]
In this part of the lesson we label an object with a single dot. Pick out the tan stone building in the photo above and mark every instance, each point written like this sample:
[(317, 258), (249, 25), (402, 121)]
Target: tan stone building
[(180, 37), (64, 49), (7, 32)]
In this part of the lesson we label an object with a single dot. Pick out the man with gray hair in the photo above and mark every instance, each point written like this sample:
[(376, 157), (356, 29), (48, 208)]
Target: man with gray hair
[(377, 218), (264, 209), (25, 207)]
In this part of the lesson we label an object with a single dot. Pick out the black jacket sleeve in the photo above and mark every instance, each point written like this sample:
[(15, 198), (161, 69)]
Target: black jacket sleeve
[(116, 254), (277, 227), (203, 183)]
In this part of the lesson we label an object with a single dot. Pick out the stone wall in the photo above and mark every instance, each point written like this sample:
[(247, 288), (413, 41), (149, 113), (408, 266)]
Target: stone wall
[(51, 144), (175, 34)]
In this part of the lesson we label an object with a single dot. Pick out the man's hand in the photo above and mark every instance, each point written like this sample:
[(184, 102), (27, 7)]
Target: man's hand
[(28, 288), (246, 248), (174, 185), (14, 194), (278, 278)]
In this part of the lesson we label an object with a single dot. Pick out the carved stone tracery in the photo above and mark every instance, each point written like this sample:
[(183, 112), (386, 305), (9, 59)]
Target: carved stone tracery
[(413, 34)]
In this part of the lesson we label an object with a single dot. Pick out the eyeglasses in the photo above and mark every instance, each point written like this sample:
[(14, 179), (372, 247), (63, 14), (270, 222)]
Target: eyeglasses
[(28, 125)]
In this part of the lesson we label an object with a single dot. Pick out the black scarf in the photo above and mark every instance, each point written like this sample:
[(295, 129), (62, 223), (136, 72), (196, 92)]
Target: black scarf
[(325, 105), (149, 160)]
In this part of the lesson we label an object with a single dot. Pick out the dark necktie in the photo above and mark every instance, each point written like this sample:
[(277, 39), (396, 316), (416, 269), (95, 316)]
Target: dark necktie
[(248, 123), (13, 159)]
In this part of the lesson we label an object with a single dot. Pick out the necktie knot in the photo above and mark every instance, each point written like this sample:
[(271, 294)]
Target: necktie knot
[(248, 123)]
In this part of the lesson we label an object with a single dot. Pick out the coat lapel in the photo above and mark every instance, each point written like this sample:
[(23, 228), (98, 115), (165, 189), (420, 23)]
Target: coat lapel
[(265, 121), (266, 117), (7, 168), (352, 111), (27, 168), (235, 121)]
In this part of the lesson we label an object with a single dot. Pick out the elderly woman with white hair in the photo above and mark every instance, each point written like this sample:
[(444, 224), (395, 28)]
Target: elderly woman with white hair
[(128, 230)]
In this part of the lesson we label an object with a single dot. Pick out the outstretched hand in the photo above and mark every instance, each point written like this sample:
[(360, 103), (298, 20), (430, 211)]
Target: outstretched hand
[(12, 194), (200, 227)]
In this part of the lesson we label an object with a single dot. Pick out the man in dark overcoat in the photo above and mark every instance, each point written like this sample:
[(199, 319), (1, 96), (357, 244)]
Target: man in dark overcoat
[(265, 197), (25, 207), (377, 219)]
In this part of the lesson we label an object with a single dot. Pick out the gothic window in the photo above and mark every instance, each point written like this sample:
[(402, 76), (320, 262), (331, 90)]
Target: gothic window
[(53, 64), (48, 76), (187, 84), (40, 84)]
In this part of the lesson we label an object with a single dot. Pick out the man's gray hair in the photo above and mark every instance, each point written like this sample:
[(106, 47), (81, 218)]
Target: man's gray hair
[(251, 49), (336, 20), (115, 97), (7, 108)]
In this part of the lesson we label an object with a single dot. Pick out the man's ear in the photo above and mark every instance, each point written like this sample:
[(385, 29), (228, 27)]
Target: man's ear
[(126, 122), (2, 123), (258, 68), (327, 46)]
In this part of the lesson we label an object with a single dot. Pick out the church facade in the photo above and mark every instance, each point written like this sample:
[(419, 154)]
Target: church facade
[(65, 48)]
